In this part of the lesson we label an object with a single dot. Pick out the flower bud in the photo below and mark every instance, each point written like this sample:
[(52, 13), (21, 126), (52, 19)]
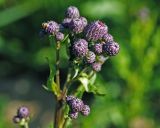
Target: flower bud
[(59, 36), (80, 48), (98, 48), (96, 66), (69, 98), (84, 21), (72, 12), (95, 31), (86, 110), (108, 37), (23, 112), (76, 25), (76, 105), (73, 115), (51, 27), (111, 48)]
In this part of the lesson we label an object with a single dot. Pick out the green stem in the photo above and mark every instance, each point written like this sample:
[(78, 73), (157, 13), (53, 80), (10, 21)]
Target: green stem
[(58, 109), (70, 80), (57, 64), (25, 125), (65, 122), (59, 112)]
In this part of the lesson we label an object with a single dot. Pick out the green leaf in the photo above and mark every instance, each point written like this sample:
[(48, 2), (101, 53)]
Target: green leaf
[(51, 85), (96, 91), (92, 79), (85, 82), (75, 73), (66, 38), (45, 87)]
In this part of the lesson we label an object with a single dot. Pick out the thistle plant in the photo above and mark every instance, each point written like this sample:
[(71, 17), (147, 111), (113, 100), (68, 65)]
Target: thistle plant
[(22, 117), (88, 46)]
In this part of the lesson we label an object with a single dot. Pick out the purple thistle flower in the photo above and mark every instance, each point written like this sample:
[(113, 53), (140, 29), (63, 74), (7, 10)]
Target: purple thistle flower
[(72, 12), (96, 66), (95, 31), (108, 37), (59, 36), (76, 105), (66, 22), (111, 48), (73, 115), (69, 98), (90, 57), (23, 112), (80, 48), (51, 27), (86, 110), (98, 48), (84, 21), (76, 25)]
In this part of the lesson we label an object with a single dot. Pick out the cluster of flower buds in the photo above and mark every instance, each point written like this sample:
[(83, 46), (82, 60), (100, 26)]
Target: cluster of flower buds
[(76, 105), (52, 28), (90, 42), (22, 115)]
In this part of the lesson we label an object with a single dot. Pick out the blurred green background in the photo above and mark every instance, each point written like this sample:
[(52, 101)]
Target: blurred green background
[(131, 80)]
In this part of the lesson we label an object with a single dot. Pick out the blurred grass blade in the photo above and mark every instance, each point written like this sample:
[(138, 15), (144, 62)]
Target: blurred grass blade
[(17, 12), (103, 8)]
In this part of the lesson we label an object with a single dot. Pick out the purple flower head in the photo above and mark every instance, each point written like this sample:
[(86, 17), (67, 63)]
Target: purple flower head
[(96, 66), (80, 48), (98, 48), (76, 105), (23, 112), (73, 115), (69, 98), (108, 37), (59, 36), (90, 57), (86, 110), (111, 48), (51, 27), (72, 12), (76, 25), (66, 22), (84, 21), (95, 31)]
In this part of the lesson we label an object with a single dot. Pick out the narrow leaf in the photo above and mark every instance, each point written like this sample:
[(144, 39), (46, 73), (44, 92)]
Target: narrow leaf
[(96, 91), (84, 82)]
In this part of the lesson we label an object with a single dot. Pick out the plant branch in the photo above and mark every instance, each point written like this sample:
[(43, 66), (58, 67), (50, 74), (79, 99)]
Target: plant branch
[(57, 64)]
